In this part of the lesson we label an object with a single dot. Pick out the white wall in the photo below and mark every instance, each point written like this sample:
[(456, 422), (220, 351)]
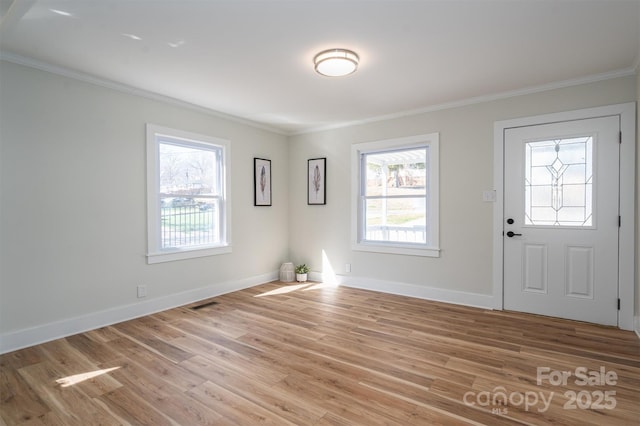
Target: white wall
[(637, 310), (73, 219), (73, 206), (466, 169)]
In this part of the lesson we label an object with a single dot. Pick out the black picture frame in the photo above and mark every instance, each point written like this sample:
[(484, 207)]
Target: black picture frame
[(261, 182), (316, 181)]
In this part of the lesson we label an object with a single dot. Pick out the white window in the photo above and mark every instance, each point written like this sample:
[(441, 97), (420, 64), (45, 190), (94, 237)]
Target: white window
[(188, 199), (395, 208)]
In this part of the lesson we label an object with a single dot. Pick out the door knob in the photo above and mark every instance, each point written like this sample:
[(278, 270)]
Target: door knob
[(512, 234)]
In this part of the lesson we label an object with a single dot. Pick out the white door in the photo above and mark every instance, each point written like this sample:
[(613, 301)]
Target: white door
[(561, 207)]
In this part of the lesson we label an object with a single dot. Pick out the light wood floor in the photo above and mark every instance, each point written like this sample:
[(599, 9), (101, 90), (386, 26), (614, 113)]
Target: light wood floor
[(306, 355)]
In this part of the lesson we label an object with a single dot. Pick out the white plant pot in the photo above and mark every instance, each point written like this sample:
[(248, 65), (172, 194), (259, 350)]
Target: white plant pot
[(301, 278)]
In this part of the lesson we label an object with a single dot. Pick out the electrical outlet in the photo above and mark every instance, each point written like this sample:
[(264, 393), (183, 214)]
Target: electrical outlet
[(347, 267), (142, 291)]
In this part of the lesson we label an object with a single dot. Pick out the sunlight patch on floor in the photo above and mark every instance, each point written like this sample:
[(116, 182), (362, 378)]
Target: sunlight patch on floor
[(79, 378), (319, 286), (329, 280), (284, 290)]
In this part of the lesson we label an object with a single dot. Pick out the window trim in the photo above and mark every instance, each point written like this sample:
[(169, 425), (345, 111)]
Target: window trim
[(357, 213), (154, 253)]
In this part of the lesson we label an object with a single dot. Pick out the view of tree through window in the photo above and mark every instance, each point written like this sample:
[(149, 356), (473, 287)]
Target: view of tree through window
[(395, 195), (396, 207), (189, 194)]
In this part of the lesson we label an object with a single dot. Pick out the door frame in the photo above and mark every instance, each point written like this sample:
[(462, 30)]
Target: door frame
[(626, 233)]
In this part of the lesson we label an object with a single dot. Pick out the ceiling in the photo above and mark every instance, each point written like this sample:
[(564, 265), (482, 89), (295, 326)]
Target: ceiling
[(253, 59)]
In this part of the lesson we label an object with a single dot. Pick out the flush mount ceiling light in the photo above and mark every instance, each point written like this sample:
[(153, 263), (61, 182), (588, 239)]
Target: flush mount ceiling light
[(336, 62)]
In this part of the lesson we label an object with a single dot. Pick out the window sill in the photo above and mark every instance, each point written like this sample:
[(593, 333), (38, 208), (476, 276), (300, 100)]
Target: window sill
[(402, 249), (169, 256)]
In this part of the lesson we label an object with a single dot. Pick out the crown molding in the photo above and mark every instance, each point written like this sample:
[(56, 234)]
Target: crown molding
[(479, 99), (109, 84), (87, 78), (14, 13)]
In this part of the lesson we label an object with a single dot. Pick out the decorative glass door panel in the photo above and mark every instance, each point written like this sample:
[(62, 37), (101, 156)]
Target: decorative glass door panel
[(559, 182)]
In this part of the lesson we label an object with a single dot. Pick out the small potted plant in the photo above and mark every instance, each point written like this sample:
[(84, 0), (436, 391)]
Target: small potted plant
[(301, 273)]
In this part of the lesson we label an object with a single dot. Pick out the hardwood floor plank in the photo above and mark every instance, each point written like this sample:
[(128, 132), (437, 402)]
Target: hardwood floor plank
[(236, 409), (48, 419), (232, 360), (250, 387), (103, 334), (131, 407), (265, 321), (71, 404), (157, 366), (75, 368), (168, 399), (19, 403), (368, 344), (331, 394), (96, 351), (309, 354), (143, 337), (305, 360), (22, 358)]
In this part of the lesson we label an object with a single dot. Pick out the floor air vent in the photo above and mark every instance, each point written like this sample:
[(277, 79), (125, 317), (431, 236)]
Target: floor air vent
[(204, 305)]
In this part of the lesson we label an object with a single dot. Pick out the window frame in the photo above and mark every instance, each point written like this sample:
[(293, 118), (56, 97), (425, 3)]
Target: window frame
[(156, 254), (358, 222)]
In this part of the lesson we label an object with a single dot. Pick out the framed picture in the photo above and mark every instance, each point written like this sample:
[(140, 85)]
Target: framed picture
[(316, 181), (262, 182)]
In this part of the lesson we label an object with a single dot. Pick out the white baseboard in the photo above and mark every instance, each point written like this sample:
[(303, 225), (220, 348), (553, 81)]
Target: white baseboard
[(636, 328), (413, 290), (32, 336)]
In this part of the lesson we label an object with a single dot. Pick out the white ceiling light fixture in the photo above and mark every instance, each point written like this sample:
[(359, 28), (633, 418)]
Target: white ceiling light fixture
[(336, 62)]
